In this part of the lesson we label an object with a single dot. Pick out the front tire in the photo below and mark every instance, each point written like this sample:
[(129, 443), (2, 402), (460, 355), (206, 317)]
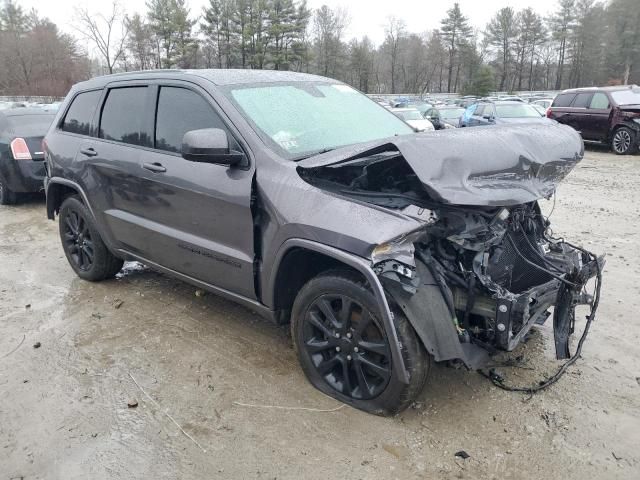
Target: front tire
[(344, 349), (7, 196), (624, 141), (86, 252)]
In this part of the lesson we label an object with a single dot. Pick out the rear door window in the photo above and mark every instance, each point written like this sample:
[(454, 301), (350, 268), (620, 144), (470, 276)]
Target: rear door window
[(582, 100), (599, 101), (179, 111), (80, 113), (564, 100), (123, 116)]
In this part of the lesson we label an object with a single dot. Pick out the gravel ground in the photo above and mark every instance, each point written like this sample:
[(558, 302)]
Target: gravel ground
[(189, 361)]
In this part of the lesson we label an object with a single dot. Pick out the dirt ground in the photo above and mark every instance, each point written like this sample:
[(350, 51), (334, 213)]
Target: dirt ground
[(64, 406)]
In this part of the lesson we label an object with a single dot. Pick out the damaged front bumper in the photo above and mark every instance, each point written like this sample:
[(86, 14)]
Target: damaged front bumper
[(478, 284), (514, 315)]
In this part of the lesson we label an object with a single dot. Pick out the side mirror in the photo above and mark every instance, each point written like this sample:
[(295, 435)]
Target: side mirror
[(488, 117), (209, 145)]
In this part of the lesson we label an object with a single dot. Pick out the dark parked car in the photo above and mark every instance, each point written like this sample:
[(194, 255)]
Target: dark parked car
[(609, 115), (21, 155), (309, 203), (500, 112), (445, 116)]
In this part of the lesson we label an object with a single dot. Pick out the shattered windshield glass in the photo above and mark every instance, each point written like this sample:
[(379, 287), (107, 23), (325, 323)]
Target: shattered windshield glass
[(299, 119)]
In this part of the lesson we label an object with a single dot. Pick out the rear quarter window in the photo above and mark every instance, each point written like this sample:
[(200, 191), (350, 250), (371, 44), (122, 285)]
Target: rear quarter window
[(80, 113), (563, 100)]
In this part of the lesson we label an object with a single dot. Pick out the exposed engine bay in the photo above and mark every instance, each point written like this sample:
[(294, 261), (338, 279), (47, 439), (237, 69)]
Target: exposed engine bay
[(498, 268)]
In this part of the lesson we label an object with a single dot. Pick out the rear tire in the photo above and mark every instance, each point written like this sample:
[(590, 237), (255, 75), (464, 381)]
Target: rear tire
[(86, 252), (344, 350), (624, 141), (7, 196)]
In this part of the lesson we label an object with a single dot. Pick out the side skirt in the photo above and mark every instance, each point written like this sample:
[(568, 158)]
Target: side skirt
[(253, 305)]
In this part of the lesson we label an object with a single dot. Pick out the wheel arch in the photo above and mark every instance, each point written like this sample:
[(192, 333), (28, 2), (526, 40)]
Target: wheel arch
[(283, 287), (57, 189), (296, 263)]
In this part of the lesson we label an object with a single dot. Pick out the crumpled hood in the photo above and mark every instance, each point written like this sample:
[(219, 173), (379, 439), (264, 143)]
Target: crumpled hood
[(482, 166)]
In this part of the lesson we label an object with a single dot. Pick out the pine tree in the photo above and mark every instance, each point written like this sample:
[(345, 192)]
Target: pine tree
[(454, 31)]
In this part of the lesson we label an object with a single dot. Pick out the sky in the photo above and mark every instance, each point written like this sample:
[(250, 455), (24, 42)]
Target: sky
[(367, 17)]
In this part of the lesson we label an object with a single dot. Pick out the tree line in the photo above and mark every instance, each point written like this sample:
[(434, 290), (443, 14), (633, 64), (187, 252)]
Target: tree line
[(581, 43)]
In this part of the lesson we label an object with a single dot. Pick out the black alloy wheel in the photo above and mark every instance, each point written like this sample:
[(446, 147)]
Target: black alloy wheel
[(347, 346), (344, 348), (77, 240), (86, 252)]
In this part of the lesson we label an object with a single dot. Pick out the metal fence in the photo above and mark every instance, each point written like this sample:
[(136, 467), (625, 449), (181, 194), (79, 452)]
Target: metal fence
[(30, 98)]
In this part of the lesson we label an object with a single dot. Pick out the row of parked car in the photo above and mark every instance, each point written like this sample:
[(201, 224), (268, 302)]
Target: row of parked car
[(609, 115)]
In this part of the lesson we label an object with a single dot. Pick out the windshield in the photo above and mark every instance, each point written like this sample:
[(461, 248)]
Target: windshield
[(516, 111), (451, 113), (303, 118), (409, 115), (627, 97)]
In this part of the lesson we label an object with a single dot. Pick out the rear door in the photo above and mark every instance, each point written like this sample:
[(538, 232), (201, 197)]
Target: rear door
[(195, 217), (599, 112), (111, 162), (578, 116)]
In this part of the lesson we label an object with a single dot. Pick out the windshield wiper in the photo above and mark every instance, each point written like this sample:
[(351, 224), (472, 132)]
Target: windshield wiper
[(312, 154)]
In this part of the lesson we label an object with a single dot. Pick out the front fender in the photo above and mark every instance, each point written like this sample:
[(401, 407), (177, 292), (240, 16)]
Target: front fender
[(363, 266)]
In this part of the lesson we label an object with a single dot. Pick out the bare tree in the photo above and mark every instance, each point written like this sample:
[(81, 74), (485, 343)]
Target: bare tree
[(395, 31), (108, 33)]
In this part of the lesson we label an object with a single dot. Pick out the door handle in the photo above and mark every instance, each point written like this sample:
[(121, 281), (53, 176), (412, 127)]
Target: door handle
[(89, 152), (154, 167)]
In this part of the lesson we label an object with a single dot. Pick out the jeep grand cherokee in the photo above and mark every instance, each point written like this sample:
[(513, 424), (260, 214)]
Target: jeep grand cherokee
[(307, 202)]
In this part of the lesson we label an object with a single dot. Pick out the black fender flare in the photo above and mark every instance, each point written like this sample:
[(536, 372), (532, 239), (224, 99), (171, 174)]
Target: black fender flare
[(363, 266), (431, 318), (51, 199)]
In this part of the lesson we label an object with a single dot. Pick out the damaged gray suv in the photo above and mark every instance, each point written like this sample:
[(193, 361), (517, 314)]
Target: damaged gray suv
[(305, 201)]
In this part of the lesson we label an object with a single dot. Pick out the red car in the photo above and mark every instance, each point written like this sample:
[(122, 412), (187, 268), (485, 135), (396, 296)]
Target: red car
[(605, 114)]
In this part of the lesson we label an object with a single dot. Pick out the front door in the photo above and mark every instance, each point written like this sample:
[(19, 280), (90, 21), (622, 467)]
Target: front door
[(599, 111), (197, 215)]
